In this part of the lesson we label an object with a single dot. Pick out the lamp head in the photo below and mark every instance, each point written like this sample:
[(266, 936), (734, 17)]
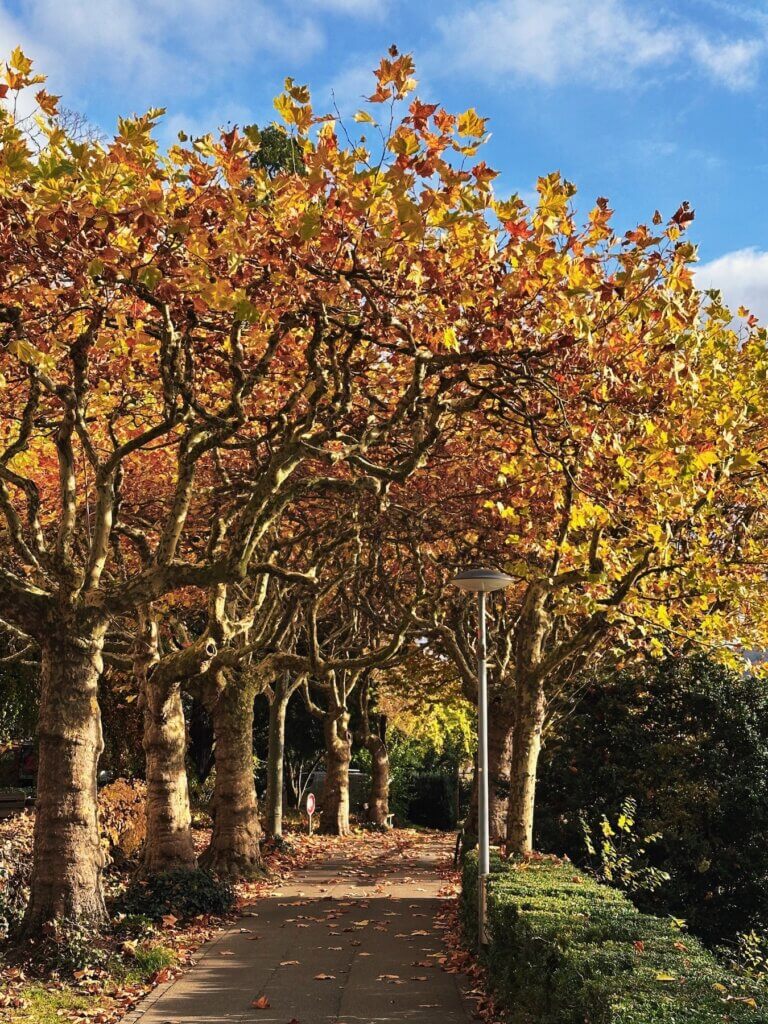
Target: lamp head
[(481, 580)]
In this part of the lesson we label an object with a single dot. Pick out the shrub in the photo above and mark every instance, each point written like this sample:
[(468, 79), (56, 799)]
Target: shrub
[(133, 926), (688, 739), (566, 949), (433, 801), (70, 949), (182, 893), (15, 869)]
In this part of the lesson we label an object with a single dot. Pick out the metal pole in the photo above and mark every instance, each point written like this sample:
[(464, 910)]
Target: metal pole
[(484, 863)]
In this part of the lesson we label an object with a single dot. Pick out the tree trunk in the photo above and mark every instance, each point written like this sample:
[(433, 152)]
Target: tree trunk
[(378, 805), (169, 842), (500, 729), (201, 740), (275, 766), (234, 848), (500, 732), (526, 745), (67, 857), (338, 753)]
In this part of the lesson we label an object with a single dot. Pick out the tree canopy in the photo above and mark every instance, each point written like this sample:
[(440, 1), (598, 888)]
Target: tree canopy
[(261, 395)]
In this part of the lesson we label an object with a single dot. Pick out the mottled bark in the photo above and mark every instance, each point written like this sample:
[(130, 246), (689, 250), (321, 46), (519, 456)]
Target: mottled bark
[(338, 753), (500, 730), (526, 746), (374, 738), (201, 740), (234, 850), (378, 803), (169, 842), (67, 857), (275, 765)]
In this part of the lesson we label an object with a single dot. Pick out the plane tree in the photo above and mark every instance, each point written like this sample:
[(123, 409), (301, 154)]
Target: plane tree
[(189, 346)]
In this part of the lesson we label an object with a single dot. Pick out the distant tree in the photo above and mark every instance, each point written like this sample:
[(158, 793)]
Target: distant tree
[(278, 151)]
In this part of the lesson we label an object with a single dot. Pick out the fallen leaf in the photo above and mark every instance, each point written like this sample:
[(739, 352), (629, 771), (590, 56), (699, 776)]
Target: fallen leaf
[(262, 1003), (325, 977)]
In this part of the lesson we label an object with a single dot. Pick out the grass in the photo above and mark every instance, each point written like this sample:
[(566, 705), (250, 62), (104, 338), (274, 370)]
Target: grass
[(43, 1004), (147, 960), (47, 1003)]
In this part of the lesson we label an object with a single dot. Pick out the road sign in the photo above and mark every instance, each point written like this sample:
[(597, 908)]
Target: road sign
[(310, 809)]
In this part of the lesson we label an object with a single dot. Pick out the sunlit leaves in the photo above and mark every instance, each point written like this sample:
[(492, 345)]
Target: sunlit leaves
[(395, 77), (293, 105), (471, 124)]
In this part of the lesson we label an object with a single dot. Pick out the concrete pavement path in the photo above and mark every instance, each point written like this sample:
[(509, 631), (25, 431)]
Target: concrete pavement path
[(353, 939)]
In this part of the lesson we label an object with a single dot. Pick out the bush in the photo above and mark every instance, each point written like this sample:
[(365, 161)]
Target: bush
[(688, 740), (70, 948), (127, 927), (566, 949), (183, 894), (433, 801), (15, 869)]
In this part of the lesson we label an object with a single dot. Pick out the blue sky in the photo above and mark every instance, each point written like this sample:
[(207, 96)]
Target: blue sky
[(646, 103)]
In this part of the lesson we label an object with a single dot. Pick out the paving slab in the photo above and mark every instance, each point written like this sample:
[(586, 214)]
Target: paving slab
[(348, 942)]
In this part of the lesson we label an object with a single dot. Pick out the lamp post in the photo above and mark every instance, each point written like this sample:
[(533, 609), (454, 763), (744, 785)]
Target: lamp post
[(482, 582)]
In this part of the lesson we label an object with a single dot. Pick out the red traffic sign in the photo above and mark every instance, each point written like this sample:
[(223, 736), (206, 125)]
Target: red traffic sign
[(311, 804)]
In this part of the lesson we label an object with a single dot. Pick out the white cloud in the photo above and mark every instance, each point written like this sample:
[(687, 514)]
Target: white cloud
[(356, 8), (600, 41), (733, 63), (183, 46), (742, 277)]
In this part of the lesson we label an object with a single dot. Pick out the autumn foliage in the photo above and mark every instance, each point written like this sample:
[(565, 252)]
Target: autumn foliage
[(253, 418)]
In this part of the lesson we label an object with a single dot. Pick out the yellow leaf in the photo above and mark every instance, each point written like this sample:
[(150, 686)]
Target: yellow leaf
[(285, 108), (450, 340), (470, 123), (300, 93), (363, 115), (665, 977), (19, 62), (705, 458)]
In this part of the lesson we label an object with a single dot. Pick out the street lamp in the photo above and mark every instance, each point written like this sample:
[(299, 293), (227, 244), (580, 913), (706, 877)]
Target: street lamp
[(482, 582)]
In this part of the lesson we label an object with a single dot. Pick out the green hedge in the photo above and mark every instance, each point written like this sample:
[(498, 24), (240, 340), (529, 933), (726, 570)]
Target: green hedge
[(566, 950)]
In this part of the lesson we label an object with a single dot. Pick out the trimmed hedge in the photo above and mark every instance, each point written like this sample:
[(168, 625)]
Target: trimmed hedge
[(566, 950)]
